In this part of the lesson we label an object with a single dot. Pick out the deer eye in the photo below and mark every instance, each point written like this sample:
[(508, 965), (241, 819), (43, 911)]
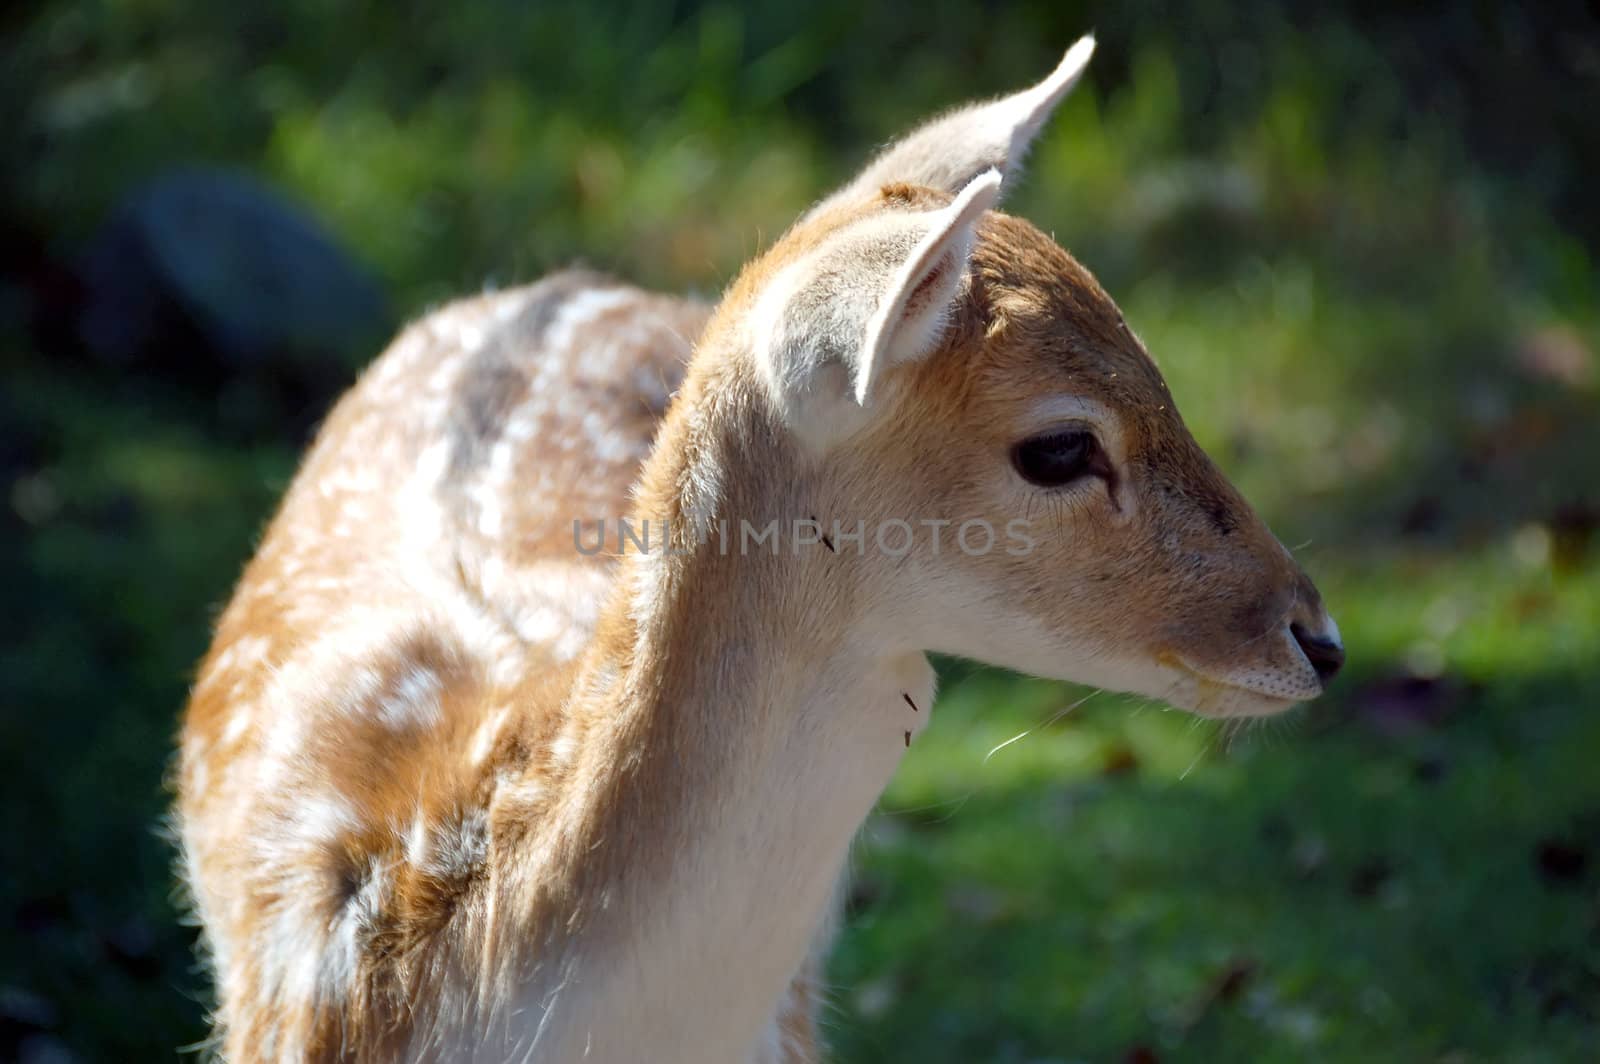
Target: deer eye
[(1055, 459)]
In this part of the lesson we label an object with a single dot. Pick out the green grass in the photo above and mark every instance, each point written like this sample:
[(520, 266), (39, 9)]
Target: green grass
[(1088, 889), (1347, 259)]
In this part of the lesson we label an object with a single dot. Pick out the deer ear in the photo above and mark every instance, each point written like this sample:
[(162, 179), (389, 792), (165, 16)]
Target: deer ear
[(876, 292), (915, 303), (948, 152)]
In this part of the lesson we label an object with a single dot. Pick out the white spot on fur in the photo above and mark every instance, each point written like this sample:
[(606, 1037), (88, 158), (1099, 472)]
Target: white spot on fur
[(239, 721), (582, 309), (414, 702), (417, 841), (483, 739), (562, 748), (521, 791)]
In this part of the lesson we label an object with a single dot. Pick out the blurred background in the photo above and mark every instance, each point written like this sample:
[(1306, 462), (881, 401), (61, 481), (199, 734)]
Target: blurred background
[(1360, 239)]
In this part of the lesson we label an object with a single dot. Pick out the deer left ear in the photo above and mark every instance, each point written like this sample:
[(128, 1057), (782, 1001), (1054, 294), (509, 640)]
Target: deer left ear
[(950, 151), (876, 292)]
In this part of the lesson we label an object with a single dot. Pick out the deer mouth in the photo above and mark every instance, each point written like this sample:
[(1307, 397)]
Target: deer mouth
[(1208, 695), (1225, 701)]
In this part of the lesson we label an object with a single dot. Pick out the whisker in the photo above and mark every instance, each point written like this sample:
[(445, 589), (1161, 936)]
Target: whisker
[(1053, 718), (1205, 748)]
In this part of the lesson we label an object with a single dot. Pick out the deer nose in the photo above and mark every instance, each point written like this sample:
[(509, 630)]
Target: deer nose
[(1325, 653)]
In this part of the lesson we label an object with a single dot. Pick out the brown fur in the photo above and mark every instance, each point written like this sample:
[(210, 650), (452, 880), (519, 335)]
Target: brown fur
[(313, 565), (435, 755)]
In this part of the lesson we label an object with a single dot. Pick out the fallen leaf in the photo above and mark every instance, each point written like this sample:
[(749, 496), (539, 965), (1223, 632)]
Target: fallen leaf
[(1120, 761)]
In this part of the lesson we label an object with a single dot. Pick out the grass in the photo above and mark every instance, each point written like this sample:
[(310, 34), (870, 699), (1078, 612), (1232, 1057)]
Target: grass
[(1340, 886), (1354, 286)]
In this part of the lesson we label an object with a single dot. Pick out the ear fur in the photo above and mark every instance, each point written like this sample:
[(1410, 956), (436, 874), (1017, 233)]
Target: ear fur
[(911, 315), (951, 150), (875, 292), (878, 289)]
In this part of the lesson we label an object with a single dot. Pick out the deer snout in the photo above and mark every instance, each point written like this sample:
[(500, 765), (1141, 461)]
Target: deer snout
[(1315, 633), (1323, 649), (1313, 629)]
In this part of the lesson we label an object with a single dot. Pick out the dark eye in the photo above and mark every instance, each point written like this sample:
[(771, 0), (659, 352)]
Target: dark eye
[(1056, 459)]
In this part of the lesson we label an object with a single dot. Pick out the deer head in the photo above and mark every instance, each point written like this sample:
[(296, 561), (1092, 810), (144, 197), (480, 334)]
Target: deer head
[(953, 368)]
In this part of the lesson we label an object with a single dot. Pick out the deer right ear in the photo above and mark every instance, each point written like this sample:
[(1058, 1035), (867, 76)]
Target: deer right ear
[(877, 292)]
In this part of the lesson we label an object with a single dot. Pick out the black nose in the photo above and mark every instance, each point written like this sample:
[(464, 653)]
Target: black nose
[(1326, 655)]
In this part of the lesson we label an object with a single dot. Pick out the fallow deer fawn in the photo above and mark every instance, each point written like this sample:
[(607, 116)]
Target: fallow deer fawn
[(453, 788)]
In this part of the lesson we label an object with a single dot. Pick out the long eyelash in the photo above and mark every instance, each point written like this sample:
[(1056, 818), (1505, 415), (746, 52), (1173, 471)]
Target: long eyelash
[(1065, 503)]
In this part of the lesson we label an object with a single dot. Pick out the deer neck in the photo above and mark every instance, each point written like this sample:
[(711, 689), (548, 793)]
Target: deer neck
[(739, 713)]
